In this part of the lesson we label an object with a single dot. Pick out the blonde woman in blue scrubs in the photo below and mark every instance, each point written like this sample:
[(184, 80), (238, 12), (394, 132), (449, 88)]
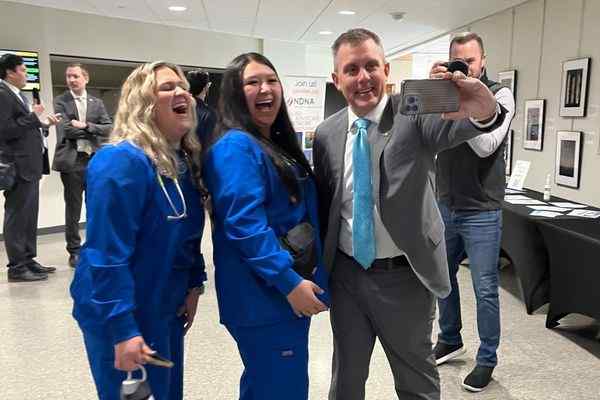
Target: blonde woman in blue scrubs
[(136, 287)]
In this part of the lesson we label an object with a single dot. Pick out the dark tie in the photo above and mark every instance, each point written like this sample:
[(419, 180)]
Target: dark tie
[(25, 100), (363, 233)]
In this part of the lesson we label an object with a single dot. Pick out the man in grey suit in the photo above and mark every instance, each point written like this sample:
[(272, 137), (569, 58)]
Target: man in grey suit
[(85, 126), (381, 227), (22, 144)]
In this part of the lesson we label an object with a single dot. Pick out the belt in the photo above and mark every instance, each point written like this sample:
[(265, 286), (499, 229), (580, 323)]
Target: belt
[(387, 264), (384, 264)]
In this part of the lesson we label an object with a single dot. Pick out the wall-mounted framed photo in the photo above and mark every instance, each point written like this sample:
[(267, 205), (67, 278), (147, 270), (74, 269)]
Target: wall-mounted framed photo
[(568, 158), (509, 79), (573, 94), (508, 151), (533, 135)]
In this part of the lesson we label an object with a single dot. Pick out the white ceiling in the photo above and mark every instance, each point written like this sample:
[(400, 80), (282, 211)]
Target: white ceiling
[(299, 20)]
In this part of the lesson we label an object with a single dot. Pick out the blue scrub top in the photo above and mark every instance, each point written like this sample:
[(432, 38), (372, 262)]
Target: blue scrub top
[(251, 210), (136, 264)]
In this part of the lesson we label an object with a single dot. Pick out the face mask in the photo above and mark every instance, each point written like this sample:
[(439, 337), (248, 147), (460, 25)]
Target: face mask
[(136, 389)]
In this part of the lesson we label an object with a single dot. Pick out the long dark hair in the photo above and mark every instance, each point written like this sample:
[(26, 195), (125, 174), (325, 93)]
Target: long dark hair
[(282, 144)]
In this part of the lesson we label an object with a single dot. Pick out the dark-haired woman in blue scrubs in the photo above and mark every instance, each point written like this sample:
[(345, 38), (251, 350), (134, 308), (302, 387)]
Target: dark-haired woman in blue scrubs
[(261, 187)]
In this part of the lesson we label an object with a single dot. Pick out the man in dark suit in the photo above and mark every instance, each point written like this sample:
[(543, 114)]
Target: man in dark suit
[(382, 230), (22, 143), (85, 126), (199, 85)]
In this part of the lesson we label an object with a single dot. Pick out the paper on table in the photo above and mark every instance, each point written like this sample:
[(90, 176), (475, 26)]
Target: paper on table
[(525, 201), (584, 213), (549, 208), (516, 197), (566, 204), (517, 179), (548, 214), (512, 191)]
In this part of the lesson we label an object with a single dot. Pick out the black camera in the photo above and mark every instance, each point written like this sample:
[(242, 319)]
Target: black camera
[(457, 65)]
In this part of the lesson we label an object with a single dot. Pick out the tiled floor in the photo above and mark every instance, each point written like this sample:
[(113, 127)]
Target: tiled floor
[(42, 355)]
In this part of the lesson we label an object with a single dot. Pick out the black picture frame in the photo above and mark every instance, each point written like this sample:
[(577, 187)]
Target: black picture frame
[(574, 87), (534, 116), (567, 168), (509, 79)]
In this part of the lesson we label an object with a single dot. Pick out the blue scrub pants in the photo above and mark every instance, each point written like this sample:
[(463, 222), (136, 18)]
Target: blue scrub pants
[(166, 383), (275, 358)]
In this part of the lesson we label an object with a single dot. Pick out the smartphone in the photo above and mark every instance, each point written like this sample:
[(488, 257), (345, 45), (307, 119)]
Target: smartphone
[(428, 96), (159, 361)]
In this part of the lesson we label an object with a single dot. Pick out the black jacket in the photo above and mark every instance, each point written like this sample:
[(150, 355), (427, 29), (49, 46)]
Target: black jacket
[(467, 182), (99, 126), (207, 120), (20, 138)]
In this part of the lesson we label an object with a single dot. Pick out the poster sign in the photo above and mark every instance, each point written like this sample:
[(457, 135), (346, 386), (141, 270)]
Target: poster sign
[(305, 99)]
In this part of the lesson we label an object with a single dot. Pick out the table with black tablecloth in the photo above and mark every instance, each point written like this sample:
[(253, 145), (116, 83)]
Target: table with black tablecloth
[(557, 260), (574, 254)]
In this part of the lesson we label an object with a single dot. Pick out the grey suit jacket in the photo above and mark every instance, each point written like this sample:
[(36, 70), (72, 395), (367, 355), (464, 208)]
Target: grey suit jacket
[(402, 155), (97, 132)]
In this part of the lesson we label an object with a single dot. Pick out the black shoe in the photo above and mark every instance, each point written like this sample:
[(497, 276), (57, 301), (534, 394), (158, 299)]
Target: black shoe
[(73, 260), (478, 379), (445, 352), (39, 268), (24, 274)]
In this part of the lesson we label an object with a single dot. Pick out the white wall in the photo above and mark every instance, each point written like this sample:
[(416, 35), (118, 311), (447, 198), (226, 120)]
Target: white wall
[(535, 38), (52, 31), (292, 58)]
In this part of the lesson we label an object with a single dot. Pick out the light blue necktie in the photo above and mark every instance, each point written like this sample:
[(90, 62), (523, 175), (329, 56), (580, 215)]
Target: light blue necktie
[(363, 234)]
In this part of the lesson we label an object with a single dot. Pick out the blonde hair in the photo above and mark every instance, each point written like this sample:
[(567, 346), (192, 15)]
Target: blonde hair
[(135, 121)]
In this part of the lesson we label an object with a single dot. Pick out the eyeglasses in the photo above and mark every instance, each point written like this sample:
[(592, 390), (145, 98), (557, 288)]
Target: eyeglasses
[(177, 215)]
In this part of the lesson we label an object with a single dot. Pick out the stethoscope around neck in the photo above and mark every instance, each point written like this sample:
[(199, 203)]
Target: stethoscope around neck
[(177, 215)]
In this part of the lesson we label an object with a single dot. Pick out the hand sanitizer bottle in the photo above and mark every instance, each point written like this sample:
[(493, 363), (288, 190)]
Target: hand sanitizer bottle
[(547, 188)]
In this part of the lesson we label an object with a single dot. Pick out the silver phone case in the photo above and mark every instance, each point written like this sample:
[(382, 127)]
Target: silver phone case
[(428, 96)]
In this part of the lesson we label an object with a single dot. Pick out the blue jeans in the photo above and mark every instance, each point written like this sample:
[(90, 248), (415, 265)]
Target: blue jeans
[(476, 234)]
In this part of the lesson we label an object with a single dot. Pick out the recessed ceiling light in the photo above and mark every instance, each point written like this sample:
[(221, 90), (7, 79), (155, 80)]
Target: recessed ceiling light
[(397, 15), (325, 33), (177, 8), (347, 12)]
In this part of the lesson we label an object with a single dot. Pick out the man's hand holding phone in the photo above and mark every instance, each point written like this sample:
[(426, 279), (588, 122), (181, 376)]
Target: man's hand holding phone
[(475, 99)]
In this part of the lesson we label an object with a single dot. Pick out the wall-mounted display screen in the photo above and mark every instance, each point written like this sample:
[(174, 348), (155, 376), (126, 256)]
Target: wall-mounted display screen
[(32, 63)]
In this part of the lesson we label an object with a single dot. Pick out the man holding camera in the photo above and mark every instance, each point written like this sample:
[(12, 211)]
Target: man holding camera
[(380, 223), (470, 184)]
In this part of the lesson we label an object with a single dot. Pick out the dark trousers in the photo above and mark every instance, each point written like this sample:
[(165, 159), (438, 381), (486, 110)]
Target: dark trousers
[(393, 306), (20, 222), (74, 185)]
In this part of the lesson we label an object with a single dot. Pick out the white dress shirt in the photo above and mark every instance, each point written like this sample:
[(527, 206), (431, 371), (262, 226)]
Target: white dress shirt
[(486, 144), (384, 245), (81, 104), (16, 91), (83, 145)]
